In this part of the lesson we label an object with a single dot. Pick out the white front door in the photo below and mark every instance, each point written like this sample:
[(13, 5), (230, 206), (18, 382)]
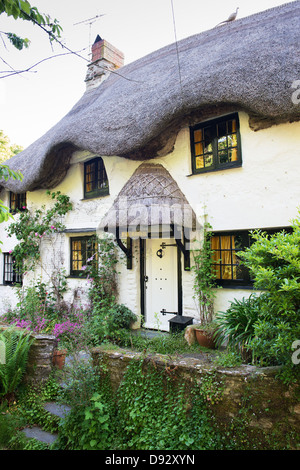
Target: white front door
[(161, 293)]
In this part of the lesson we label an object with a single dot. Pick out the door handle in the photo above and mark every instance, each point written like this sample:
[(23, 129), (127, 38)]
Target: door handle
[(146, 279)]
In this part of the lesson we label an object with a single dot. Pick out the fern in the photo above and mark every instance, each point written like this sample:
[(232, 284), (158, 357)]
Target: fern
[(17, 345)]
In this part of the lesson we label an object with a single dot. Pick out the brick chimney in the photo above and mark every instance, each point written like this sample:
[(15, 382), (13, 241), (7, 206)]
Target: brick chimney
[(105, 58)]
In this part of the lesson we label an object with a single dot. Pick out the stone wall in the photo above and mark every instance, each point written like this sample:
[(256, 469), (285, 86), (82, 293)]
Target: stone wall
[(39, 365), (40, 357), (270, 405)]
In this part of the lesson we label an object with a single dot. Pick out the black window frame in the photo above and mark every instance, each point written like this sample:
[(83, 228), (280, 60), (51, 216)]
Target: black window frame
[(99, 180), (246, 282), (86, 251), (17, 202), (11, 276), (214, 125)]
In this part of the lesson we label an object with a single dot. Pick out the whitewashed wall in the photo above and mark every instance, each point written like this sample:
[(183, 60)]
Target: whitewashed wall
[(264, 192)]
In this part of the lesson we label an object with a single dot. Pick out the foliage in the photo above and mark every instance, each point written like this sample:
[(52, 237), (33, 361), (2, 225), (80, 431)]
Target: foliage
[(32, 226), (39, 310), (21, 9), (17, 344), (149, 411), (91, 421), (204, 277), (154, 413), (235, 326), (101, 270), (274, 261), (7, 150), (107, 317), (5, 173), (9, 425), (162, 343)]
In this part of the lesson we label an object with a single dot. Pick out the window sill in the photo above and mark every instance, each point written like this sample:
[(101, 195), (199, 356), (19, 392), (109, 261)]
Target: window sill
[(16, 284), (77, 276), (94, 196), (236, 286), (214, 170)]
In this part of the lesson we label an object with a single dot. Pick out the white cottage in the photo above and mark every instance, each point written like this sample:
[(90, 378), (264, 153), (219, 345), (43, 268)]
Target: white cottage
[(206, 129)]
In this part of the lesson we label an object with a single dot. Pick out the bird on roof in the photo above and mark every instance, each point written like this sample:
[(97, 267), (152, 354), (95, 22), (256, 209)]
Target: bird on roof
[(231, 17)]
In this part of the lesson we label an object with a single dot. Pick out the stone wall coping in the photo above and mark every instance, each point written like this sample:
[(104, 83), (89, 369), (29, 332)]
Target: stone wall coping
[(198, 363)]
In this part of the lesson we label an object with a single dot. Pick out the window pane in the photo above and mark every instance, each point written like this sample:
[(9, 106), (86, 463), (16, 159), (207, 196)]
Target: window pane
[(232, 155), (8, 268), (231, 126), (223, 156), (199, 149), (198, 135), (222, 129), (76, 255), (208, 138), (90, 176), (102, 177), (208, 160), (199, 162), (232, 140), (222, 143)]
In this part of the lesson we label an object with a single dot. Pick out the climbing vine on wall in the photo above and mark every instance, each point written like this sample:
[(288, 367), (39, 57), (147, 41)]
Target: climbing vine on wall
[(32, 226), (204, 283)]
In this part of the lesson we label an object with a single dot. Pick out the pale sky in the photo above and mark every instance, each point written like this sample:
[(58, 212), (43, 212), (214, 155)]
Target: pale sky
[(31, 103)]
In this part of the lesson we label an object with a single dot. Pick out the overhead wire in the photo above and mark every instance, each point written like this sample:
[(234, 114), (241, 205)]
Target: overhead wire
[(177, 51)]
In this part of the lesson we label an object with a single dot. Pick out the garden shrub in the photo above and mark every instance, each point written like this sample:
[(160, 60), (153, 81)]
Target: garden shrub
[(274, 262), (235, 326)]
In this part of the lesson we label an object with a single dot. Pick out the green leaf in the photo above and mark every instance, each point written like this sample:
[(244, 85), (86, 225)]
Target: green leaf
[(25, 6)]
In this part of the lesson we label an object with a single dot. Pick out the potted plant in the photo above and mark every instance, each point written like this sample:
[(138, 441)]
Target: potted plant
[(205, 335), (59, 357)]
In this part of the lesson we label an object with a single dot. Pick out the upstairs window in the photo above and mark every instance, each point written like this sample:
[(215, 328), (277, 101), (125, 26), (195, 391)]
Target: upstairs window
[(83, 250), (17, 202), (11, 275), (95, 178), (216, 144)]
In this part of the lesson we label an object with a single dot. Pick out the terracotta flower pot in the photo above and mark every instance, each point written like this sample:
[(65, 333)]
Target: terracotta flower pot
[(59, 357), (205, 339)]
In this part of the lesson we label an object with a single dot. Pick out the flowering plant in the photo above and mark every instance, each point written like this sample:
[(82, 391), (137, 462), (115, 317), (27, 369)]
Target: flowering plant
[(31, 227)]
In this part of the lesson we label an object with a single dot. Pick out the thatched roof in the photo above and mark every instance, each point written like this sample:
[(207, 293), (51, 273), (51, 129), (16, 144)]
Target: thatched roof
[(248, 65), (151, 197)]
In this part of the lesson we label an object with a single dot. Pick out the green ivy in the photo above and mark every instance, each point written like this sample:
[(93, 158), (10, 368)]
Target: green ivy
[(156, 411)]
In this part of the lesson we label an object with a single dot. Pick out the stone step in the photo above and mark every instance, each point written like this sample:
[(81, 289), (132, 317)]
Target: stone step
[(40, 435), (57, 409)]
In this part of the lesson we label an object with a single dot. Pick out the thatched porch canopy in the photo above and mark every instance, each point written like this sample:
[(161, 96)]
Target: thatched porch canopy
[(251, 65), (150, 199)]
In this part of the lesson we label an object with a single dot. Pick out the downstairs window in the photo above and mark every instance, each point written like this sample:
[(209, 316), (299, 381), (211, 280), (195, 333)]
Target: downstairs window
[(11, 275), (83, 249)]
